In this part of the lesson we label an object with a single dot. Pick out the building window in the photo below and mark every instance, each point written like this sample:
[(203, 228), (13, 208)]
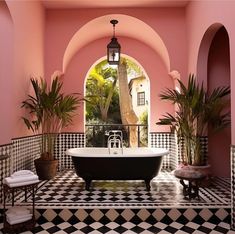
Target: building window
[(140, 98)]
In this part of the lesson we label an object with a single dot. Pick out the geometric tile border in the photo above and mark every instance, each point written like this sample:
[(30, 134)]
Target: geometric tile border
[(151, 216), (93, 217)]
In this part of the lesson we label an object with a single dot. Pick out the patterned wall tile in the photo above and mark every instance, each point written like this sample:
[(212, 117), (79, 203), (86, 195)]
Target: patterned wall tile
[(173, 152), (165, 140), (66, 141), (24, 151), (5, 165), (233, 186)]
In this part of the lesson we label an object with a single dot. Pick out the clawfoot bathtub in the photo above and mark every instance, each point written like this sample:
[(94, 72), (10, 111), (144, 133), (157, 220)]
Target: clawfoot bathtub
[(130, 164)]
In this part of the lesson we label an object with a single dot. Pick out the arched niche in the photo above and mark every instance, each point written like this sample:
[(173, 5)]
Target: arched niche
[(213, 69)]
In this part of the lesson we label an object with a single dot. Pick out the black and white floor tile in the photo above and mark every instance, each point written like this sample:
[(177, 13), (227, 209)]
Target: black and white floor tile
[(67, 189), (130, 228), (64, 206)]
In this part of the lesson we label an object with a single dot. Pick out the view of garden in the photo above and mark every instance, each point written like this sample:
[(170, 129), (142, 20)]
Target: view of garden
[(106, 109)]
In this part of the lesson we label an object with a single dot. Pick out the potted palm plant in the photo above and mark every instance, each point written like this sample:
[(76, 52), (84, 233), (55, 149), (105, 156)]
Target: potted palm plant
[(196, 110), (49, 111)]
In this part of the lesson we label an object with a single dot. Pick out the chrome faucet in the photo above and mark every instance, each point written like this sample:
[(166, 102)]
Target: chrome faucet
[(115, 140)]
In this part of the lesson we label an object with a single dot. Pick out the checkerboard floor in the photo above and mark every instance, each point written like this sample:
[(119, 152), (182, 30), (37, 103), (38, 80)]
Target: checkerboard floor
[(67, 189), (130, 228)]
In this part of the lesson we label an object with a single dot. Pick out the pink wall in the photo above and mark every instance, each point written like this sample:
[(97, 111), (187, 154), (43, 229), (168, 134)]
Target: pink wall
[(200, 15), (6, 73), (28, 44)]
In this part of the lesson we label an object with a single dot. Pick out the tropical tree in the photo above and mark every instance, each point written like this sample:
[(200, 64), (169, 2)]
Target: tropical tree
[(100, 89), (127, 113)]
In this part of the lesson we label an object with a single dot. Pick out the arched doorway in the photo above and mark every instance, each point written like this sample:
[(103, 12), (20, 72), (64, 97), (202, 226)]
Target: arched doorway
[(214, 70), (151, 55), (103, 111)]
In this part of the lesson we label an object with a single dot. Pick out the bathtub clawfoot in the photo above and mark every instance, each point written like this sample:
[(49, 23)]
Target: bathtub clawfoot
[(147, 183), (87, 184)]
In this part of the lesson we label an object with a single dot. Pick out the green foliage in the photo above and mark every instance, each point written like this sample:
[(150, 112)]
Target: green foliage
[(144, 129), (196, 111), (144, 118), (49, 110), (102, 100)]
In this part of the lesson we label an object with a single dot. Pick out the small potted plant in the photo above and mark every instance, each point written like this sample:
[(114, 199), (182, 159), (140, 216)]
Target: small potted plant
[(49, 111), (196, 110)]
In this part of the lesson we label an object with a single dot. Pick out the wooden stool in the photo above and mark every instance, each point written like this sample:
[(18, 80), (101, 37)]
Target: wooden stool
[(190, 190)]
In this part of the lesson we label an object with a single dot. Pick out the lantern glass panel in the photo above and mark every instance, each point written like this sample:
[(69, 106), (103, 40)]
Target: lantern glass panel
[(113, 54)]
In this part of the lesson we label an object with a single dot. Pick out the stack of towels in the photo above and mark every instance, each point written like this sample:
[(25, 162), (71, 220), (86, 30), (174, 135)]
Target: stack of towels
[(18, 214), (20, 178)]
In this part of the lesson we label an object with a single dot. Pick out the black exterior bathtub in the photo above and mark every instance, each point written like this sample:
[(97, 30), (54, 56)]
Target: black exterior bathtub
[(131, 164)]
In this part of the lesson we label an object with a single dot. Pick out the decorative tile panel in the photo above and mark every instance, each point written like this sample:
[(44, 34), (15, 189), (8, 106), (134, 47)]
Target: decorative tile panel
[(66, 141), (24, 151), (128, 221), (180, 215), (173, 152), (165, 140), (5, 165)]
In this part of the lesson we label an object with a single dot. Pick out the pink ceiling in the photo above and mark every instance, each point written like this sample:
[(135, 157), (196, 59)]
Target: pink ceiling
[(112, 3)]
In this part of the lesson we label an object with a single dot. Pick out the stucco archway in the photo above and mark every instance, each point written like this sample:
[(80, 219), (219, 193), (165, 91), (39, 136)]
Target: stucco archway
[(127, 27), (134, 61)]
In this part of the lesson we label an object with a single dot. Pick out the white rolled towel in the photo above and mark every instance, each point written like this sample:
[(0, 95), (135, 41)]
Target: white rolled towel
[(18, 220), (13, 217), (22, 173), (18, 210), (18, 179), (12, 185)]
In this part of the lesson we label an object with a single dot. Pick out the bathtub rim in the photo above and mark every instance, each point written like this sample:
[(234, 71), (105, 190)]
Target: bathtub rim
[(153, 152)]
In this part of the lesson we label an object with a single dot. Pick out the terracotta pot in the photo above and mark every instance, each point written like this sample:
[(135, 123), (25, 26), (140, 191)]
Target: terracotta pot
[(46, 169)]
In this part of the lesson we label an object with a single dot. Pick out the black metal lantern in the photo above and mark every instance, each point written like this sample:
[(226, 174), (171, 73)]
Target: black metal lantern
[(113, 48)]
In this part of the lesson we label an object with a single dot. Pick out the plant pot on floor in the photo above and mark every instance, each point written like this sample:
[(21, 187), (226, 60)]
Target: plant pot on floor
[(46, 169)]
